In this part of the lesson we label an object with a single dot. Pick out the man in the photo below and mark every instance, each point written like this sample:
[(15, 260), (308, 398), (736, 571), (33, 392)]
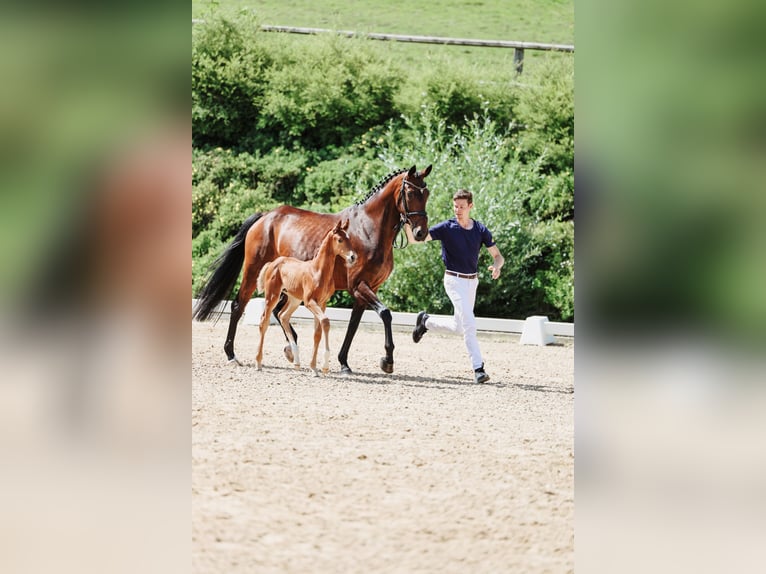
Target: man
[(462, 238)]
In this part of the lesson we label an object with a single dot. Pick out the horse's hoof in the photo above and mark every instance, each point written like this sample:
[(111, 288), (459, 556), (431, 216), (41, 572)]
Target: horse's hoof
[(388, 367), (259, 367), (235, 361), (346, 370), (288, 353)]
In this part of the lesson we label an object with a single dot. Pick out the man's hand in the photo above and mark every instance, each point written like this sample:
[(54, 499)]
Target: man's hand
[(411, 237), (497, 261)]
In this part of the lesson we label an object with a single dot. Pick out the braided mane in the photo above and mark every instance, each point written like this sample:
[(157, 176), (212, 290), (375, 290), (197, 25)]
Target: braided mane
[(378, 186)]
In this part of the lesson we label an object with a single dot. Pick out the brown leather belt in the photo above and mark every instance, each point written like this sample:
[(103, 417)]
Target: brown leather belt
[(462, 275)]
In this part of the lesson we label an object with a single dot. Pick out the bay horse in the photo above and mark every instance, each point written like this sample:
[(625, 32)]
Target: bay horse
[(309, 281), (398, 199)]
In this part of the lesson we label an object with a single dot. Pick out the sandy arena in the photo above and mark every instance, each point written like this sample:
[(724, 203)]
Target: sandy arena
[(415, 472)]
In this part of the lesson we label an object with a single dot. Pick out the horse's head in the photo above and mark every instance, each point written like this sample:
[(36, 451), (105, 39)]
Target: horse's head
[(412, 200), (341, 243)]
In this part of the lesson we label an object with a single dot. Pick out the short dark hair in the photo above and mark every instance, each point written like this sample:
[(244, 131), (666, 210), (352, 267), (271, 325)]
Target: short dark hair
[(463, 194)]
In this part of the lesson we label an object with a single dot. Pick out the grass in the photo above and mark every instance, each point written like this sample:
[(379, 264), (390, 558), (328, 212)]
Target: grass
[(549, 21), (525, 20)]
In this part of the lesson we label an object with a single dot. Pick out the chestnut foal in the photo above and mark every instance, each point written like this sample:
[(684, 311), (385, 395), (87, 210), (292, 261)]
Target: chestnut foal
[(309, 281)]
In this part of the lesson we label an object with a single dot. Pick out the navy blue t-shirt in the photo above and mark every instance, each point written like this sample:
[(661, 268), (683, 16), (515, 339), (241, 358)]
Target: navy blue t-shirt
[(460, 247)]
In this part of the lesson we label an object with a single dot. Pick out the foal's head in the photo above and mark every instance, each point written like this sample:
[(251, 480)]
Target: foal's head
[(341, 244)]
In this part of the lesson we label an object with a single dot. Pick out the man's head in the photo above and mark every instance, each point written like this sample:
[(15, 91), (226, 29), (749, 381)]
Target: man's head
[(463, 194), (462, 202)]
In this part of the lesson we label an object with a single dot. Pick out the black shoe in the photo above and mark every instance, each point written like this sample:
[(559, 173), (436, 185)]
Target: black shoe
[(420, 327), (481, 376)]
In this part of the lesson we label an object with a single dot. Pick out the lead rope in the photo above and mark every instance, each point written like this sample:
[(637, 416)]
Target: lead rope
[(403, 241)]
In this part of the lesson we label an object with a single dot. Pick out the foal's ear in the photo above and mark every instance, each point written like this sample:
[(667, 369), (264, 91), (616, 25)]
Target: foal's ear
[(345, 223), (426, 171)]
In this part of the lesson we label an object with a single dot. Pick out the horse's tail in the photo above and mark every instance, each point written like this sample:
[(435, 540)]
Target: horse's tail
[(226, 268)]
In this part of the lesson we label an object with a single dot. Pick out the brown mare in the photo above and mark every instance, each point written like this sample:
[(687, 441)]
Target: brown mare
[(374, 223), (309, 281)]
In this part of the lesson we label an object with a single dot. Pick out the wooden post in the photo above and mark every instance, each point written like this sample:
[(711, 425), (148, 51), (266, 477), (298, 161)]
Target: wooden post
[(518, 59)]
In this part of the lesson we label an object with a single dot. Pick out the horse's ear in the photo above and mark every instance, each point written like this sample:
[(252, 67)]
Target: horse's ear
[(425, 172), (413, 171)]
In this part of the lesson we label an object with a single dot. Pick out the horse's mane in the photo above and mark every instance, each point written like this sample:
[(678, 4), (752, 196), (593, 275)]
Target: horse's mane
[(378, 186)]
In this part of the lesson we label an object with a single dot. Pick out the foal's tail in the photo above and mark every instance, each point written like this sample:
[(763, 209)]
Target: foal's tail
[(261, 282), (225, 273)]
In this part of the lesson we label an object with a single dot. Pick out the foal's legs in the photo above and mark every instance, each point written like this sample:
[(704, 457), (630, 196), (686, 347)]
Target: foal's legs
[(284, 319), (270, 303), (321, 323), (277, 311), (317, 339)]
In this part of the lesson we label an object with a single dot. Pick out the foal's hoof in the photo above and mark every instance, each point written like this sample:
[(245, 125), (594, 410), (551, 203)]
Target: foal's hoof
[(346, 370), (235, 362), (288, 353), (388, 367)]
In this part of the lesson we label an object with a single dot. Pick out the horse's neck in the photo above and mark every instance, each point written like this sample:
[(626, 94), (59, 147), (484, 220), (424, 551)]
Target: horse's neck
[(382, 211), (324, 253)]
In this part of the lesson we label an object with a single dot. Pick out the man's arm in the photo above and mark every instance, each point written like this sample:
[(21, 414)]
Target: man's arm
[(411, 238), (498, 261)]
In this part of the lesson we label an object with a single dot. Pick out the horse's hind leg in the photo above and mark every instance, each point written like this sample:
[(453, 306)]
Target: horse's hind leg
[(353, 324), (246, 289)]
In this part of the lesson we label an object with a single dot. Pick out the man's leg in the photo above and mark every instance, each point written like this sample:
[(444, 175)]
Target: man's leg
[(462, 293), (469, 324)]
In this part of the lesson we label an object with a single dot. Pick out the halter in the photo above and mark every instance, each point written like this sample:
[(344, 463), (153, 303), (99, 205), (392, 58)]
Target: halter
[(404, 215)]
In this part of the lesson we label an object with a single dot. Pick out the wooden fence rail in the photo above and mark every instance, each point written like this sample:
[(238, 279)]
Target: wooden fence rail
[(518, 47)]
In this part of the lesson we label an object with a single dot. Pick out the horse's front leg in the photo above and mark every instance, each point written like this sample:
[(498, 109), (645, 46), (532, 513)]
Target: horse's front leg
[(365, 293)]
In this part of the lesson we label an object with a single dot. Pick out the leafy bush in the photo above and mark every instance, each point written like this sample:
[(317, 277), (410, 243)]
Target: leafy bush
[(456, 96), (216, 173), (229, 82), (280, 173), (546, 108), (332, 179), (329, 95)]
